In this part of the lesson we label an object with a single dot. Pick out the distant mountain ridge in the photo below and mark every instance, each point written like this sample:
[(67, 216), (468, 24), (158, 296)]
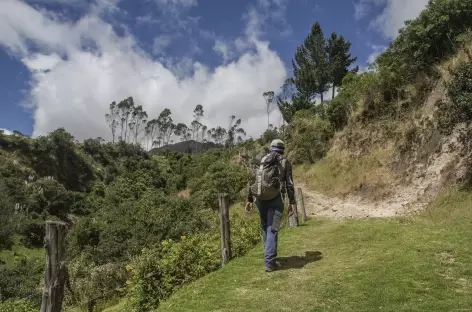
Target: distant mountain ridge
[(190, 146)]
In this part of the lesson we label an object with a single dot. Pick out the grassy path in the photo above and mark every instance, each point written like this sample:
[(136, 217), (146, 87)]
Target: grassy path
[(403, 264)]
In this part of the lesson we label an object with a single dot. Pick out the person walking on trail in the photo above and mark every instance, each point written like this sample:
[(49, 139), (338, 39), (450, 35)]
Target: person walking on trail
[(273, 178)]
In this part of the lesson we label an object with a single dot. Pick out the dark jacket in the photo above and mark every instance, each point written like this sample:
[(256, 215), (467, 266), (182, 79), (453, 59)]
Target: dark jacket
[(287, 186)]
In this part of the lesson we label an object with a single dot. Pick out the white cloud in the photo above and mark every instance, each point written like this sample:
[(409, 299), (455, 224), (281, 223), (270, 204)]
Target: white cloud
[(224, 49), (268, 14), (6, 131), (393, 15), (174, 8), (364, 7), (183, 3), (72, 87), (160, 44), (376, 50)]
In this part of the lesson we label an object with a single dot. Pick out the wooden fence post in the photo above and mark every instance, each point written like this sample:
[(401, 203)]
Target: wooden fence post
[(55, 270), (301, 203), (293, 220), (224, 229)]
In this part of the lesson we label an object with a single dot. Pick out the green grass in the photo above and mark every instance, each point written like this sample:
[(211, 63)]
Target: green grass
[(10, 258), (340, 174), (423, 263)]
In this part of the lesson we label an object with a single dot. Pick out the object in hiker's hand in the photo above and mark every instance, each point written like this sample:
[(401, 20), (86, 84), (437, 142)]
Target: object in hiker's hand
[(291, 209), (248, 208)]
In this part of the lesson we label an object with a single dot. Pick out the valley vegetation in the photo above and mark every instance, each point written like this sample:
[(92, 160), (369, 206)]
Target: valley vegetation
[(143, 220)]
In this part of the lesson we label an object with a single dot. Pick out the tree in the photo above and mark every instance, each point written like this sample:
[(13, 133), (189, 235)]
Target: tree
[(152, 130), (198, 115), (234, 133), (112, 119), (298, 102), (204, 131), (219, 135), (139, 118), (166, 126), (181, 130), (310, 66), (195, 127), (125, 108), (339, 59), (269, 98)]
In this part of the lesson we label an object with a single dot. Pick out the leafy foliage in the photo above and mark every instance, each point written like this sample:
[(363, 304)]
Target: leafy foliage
[(18, 306), (21, 281), (310, 66), (310, 137), (458, 109), (425, 41), (159, 271)]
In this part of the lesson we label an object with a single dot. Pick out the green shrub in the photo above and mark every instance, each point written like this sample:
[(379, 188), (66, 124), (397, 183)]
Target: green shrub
[(458, 108), (7, 226), (32, 233), (56, 155), (21, 281), (89, 280), (220, 177), (18, 306), (427, 40), (157, 272), (309, 137)]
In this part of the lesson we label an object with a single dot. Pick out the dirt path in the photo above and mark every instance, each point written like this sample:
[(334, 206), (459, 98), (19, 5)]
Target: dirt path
[(320, 205), (427, 180)]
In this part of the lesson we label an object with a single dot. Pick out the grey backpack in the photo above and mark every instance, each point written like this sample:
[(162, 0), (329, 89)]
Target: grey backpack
[(269, 177)]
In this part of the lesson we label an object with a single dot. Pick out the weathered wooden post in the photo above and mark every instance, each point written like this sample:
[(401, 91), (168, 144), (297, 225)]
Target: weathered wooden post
[(301, 203), (293, 219), (55, 270), (224, 229)]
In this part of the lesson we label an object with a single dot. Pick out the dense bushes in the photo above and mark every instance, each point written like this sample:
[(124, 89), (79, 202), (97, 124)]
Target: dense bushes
[(220, 177), (158, 271), (458, 108), (18, 306), (22, 280), (7, 227), (118, 199), (427, 40), (309, 137)]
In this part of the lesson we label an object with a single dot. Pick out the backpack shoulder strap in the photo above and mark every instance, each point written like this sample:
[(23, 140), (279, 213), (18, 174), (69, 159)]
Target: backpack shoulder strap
[(284, 162)]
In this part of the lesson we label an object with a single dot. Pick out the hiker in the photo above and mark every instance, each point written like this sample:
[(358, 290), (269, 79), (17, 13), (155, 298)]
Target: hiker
[(273, 179)]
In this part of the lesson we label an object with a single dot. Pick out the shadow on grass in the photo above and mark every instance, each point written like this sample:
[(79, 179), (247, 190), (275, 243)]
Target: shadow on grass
[(298, 262)]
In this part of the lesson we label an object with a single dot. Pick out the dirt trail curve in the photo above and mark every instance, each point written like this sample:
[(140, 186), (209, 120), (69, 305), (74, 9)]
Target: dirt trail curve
[(320, 205), (427, 180)]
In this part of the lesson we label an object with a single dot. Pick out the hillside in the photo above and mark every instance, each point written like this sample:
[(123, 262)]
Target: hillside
[(419, 263), (385, 166), (191, 146)]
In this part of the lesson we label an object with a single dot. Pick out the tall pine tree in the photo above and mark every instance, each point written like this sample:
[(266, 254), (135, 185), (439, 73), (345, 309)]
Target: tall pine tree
[(339, 59), (310, 66)]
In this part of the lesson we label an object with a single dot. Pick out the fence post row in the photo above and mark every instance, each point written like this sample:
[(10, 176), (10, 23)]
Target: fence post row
[(224, 229), (55, 269)]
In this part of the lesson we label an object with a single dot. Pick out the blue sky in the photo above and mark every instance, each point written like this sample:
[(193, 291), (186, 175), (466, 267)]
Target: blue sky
[(63, 61)]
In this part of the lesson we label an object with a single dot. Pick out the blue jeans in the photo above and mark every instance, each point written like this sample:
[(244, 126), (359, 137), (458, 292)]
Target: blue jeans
[(270, 212)]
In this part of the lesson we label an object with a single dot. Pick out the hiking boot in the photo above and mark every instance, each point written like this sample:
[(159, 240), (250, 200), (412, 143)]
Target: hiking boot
[(273, 267)]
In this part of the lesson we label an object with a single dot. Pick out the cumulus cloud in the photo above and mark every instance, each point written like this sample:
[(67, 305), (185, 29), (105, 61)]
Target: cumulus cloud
[(6, 131), (393, 15), (160, 44), (376, 51), (79, 68)]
